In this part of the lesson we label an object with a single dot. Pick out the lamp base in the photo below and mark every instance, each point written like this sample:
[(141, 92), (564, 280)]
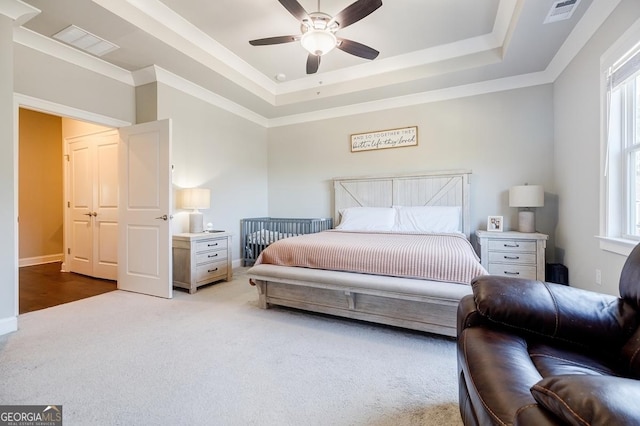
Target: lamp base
[(526, 221), (196, 223)]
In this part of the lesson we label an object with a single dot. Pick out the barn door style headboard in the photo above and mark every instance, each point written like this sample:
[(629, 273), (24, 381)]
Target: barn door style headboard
[(437, 188)]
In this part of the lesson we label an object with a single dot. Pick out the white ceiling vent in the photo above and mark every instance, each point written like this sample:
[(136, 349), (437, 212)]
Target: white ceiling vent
[(561, 10), (84, 40)]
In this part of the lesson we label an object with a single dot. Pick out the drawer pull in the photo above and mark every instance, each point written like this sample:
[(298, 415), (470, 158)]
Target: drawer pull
[(212, 245), (511, 273), (212, 270), (512, 245), (512, 257), (212, 255)]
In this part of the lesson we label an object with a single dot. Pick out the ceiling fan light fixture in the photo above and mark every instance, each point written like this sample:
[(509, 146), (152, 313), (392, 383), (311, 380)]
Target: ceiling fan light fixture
[(318, 42)]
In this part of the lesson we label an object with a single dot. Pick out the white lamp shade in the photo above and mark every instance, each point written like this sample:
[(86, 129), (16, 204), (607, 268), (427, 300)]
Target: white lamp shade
[(195, 198), (526, 196), (318, 42)]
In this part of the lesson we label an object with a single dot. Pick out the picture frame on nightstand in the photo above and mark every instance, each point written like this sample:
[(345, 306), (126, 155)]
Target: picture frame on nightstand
[(495, 224)]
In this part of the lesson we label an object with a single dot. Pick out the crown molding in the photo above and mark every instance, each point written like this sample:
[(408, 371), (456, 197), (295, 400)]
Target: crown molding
[(506, 17), (592, 19), (155, 18), (59, 50), (509, 11), (18, 11), (474, 89), (160, 75)]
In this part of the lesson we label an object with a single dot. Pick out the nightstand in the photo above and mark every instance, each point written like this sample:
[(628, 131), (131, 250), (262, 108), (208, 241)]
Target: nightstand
[(200, 259), (513, 254)]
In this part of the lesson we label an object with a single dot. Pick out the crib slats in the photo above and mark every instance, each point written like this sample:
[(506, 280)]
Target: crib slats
[(258, 232)]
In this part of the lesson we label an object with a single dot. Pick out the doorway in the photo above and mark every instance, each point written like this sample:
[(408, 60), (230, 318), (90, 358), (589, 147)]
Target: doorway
[(144, 162), (41, 281), (45, 285)]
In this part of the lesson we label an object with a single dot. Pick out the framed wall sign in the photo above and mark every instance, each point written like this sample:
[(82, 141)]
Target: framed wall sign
[(392, 138)]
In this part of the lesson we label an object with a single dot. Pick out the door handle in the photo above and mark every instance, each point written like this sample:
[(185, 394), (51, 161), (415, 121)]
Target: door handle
[(163, 217), (94, 214)]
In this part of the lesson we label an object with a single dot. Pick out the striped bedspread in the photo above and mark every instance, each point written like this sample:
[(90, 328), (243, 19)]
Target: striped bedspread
[(438, 257)]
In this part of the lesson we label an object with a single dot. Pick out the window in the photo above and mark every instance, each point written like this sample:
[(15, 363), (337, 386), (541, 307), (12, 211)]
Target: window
[(620, 223)]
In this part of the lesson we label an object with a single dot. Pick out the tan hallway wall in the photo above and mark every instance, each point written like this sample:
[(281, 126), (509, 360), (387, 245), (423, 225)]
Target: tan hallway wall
[(40, 188)]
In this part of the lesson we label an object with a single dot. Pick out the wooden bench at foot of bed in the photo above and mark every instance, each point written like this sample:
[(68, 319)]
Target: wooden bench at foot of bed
[(403, 302)]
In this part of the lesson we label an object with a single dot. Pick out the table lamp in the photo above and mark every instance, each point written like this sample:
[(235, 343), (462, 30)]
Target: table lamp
[(195, 198), (526, 196)]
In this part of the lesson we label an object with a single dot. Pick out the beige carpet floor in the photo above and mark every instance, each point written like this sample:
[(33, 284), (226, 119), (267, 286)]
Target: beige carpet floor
[(215, 358)]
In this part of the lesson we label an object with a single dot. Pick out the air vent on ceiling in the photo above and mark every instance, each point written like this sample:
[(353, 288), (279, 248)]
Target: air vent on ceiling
[(84, 40), (561, 10)]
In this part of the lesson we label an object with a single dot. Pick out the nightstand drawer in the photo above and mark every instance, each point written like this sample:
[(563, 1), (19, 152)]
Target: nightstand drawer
[(512, 245), (211, 270), (513, 254), (211, 256), (213, 244), (509, 270), (512, 257)]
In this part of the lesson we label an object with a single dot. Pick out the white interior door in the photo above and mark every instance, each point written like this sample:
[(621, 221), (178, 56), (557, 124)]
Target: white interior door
[(80, 246), (105, 206), (144, 250), (93, 203)]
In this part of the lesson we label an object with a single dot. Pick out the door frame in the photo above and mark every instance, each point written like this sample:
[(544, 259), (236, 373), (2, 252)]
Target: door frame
[(53, 108)]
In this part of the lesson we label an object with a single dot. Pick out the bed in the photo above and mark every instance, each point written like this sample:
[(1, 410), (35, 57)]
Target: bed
[(368, 291)]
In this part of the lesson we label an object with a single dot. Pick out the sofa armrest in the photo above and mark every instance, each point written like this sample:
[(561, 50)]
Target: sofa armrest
[(468, 315), (554, 311)]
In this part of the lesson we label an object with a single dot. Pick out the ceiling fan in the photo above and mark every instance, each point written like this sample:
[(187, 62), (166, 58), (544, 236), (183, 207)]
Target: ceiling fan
[(318, 31)]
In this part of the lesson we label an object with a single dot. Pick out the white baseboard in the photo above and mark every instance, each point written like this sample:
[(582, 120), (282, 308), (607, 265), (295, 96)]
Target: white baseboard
[(8, 325), (39, 260)]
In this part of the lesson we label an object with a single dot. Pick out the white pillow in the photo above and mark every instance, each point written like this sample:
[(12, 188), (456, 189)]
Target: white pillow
[(367, 219), (428, 219)]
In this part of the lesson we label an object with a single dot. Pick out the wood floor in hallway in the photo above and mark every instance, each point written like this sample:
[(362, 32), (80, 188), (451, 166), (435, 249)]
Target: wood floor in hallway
[(43, 286)]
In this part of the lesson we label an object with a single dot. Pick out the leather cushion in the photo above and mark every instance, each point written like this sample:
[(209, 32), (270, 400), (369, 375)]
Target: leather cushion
[(555, 311), (590, 400), (555, 360)]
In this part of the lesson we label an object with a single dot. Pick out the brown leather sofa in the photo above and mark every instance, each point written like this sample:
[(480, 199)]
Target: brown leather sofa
[(536, 353)]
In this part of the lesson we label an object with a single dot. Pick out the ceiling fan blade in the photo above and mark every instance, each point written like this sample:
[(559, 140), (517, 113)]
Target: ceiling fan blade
[(357, 49), (355, 12), (274, 40), (295, 9), (313, 63)]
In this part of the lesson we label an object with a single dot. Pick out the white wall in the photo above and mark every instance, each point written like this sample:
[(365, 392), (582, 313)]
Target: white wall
[(577, 139), (52, 79), (8, 175), (215, 149), (505, 138)]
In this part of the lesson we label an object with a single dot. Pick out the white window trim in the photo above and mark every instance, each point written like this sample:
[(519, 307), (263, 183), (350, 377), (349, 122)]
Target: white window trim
[(624, 44)]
